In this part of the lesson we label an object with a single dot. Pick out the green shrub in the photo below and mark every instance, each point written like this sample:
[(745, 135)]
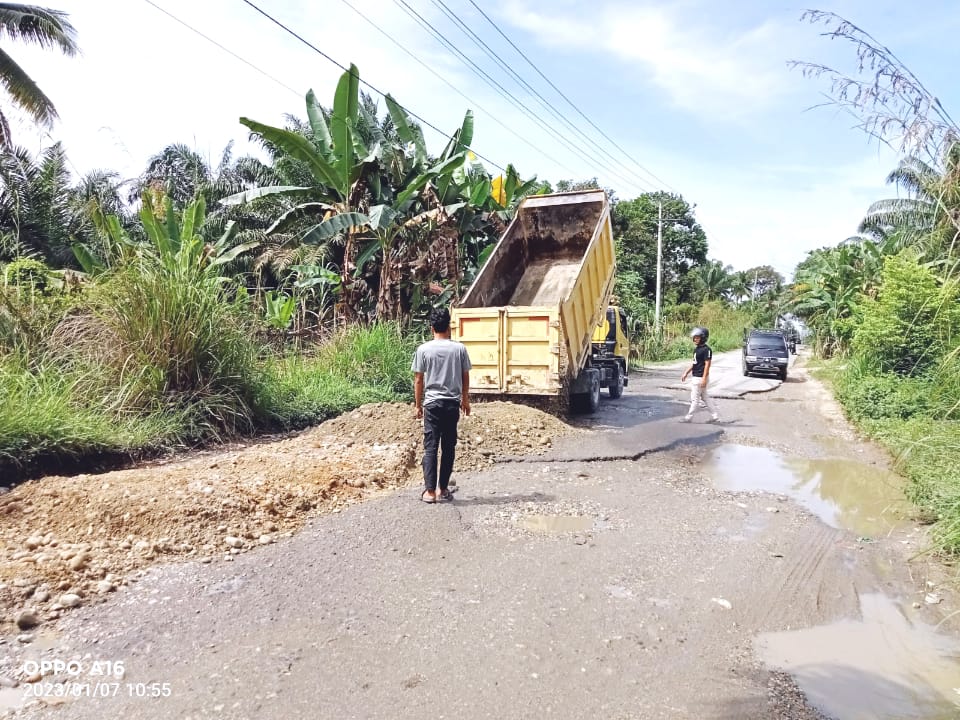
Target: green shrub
[(900, 331), (884, 396), (28, 273), (173, 341)]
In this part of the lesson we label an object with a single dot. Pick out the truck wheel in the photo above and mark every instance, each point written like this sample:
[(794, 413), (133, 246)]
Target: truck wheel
[(615, 389), (587, 402), (593, 397)]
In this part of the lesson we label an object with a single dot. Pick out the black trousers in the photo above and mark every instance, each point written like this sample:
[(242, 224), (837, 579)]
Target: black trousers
[(440, 420)]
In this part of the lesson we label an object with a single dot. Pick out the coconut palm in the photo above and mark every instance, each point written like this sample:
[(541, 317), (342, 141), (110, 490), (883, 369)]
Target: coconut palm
[(714, 279), (39, 26), (928, 219)]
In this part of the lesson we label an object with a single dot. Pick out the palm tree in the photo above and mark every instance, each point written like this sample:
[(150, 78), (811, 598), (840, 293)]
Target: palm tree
[(715, 280), (929, 217), (40, 26)]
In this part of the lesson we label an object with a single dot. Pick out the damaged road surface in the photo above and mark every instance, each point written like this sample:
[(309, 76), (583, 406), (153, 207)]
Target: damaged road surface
[(638, 568)]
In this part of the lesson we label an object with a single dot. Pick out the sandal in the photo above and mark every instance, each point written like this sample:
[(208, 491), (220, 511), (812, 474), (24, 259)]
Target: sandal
[(447, 494), (426, 499)]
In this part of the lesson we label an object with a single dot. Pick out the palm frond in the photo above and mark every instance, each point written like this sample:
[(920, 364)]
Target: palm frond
[(25, 92), (38, 26)]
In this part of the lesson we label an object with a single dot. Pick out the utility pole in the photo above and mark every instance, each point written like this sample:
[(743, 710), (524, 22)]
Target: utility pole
[(656, 307)]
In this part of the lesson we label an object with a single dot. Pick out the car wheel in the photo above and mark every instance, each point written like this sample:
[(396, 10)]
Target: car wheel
[(783, 375), (746, 370)]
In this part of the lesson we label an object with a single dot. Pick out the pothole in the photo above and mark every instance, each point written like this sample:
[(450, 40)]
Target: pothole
[(843, 493), (881, 667)]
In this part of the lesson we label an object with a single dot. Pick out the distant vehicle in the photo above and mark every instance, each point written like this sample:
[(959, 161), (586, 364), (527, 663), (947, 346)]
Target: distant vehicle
[(765, 351)]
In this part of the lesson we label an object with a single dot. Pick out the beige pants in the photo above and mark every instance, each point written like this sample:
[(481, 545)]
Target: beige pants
[(698, 393)]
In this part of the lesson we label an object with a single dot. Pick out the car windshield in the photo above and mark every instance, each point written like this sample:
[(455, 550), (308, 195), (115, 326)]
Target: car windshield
[(766, 342)]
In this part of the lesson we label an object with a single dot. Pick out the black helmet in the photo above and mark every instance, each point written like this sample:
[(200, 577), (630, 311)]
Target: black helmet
[(702, 332)]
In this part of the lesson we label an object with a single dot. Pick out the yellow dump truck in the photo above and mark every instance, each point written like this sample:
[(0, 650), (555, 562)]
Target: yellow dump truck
[(537, 319)]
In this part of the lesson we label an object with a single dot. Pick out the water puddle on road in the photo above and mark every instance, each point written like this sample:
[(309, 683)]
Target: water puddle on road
[(842, 493), (556, 523), (881, 667)]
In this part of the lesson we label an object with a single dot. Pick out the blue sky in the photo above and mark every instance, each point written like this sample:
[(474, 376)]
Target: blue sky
[(697, 91)]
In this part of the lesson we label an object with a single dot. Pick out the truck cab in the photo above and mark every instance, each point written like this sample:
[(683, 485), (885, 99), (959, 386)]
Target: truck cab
[(611, 351)]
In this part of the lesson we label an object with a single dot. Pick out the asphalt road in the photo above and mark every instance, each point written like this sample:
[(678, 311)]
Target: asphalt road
[(608, 579)]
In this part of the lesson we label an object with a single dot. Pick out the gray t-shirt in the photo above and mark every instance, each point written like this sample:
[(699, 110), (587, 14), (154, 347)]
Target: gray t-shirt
[(442, 363)]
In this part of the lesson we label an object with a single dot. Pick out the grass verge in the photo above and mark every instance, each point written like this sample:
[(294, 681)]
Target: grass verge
[(926, 449), (57, 417)]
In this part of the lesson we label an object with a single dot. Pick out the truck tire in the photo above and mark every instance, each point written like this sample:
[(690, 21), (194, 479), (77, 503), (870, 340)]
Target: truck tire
[(588, 402), (615, 389)]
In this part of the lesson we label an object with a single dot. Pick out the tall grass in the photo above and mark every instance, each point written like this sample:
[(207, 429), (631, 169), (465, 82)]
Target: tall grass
[(726, 325), (916, 419), (173, 342), (360, 365), (69, 408)]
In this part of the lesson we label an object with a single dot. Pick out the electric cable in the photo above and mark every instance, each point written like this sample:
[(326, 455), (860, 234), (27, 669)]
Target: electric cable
[(506, 94), (569, 101), (546, 104), (225, 49), (453, 87), (361, 80)]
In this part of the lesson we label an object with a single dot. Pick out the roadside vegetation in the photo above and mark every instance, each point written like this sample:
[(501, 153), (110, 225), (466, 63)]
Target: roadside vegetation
[(884, 305)]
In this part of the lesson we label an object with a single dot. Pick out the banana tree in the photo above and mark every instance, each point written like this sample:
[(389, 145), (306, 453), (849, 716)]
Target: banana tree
[(339, 164), (174, 242)]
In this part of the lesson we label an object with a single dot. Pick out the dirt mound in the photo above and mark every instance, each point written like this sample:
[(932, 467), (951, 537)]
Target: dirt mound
[(65, 540), (493, 430)]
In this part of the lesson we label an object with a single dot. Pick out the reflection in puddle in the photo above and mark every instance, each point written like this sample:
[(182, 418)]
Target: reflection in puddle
[(877, 668), (842, 493), (556, 523)]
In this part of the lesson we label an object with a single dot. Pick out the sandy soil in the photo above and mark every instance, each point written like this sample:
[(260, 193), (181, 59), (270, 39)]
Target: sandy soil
[(66, 540)]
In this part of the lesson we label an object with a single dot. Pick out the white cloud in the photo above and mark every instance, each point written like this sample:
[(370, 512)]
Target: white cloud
[(701, 68), (793, 210)]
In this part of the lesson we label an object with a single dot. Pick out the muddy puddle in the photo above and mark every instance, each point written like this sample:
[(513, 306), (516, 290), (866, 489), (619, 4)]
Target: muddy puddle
[(842, 493), (556, 523), (881, 667)]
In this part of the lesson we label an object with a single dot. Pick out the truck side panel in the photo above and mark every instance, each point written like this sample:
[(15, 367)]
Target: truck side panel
[(583, 310)]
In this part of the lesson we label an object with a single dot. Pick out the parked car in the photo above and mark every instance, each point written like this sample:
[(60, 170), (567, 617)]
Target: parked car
[(765, 351)]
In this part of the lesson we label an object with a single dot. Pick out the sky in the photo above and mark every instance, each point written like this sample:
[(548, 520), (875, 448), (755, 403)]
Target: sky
[(690, 96)]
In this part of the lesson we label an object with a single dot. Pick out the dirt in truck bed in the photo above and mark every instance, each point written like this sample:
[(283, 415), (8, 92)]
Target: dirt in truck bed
[(67, 540)]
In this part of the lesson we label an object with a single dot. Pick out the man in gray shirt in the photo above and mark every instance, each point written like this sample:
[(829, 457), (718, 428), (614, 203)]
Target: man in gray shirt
[(441, 389)]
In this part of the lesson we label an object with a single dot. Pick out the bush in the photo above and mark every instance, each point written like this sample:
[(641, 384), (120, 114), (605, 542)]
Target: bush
[(884, 396), (170, 342), (902, 331), (28, 273)]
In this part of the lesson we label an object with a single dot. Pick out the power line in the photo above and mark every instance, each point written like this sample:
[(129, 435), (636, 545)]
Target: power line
[(454, 87), (364, 82), (506, 94), (546, 104), (569, 101), (225, 49)]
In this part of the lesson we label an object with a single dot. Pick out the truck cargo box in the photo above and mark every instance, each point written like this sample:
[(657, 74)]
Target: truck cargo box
[(529, 317)]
